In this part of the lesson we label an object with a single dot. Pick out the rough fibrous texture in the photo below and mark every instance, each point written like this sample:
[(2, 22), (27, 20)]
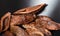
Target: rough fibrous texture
[(25, 22)]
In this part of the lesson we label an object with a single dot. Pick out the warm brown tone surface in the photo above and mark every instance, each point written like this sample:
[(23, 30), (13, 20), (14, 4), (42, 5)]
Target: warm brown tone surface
[(26, 22)]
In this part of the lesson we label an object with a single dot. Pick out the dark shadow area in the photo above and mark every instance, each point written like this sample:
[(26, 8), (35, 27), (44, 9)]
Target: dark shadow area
[(55, 33), (56, 13), (56, 17), (12, 5)]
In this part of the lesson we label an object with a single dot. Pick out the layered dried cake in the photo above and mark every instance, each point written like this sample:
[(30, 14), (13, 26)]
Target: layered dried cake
[(26, 22), (47, 23), (33, 30), (41, 26), (24, 18), (19, 17), (27, 16)]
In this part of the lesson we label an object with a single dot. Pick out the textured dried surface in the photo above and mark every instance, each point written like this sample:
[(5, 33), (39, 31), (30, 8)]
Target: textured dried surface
[(22, 19), (43, 24), (18, 31), (46, 22), (25, 22), (33, 30), (27, 16)]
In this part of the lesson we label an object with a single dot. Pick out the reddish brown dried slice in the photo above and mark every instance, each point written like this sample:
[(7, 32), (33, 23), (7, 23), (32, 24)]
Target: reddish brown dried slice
[(29, 18), (16, 20), (47, 22), (5, 21), (33, 9), (35, 31), (53, 25), (7, 33), (32, 30), (18, 31), (22, 19), (46, 32)]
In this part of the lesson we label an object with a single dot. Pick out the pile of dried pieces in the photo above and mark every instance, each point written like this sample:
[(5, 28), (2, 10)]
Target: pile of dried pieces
[(26, 22)]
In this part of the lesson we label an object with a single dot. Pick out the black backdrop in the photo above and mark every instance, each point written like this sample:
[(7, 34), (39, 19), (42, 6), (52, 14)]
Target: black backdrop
[(13, 5)]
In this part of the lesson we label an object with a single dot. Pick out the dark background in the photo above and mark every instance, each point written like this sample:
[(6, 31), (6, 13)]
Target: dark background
[(13, 5)]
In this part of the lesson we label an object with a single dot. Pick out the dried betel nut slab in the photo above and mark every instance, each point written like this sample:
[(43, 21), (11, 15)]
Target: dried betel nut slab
[(33, 30), (47, 23)]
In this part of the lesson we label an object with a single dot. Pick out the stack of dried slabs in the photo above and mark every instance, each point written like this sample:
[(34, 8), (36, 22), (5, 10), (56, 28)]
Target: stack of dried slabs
[(26, 22)]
